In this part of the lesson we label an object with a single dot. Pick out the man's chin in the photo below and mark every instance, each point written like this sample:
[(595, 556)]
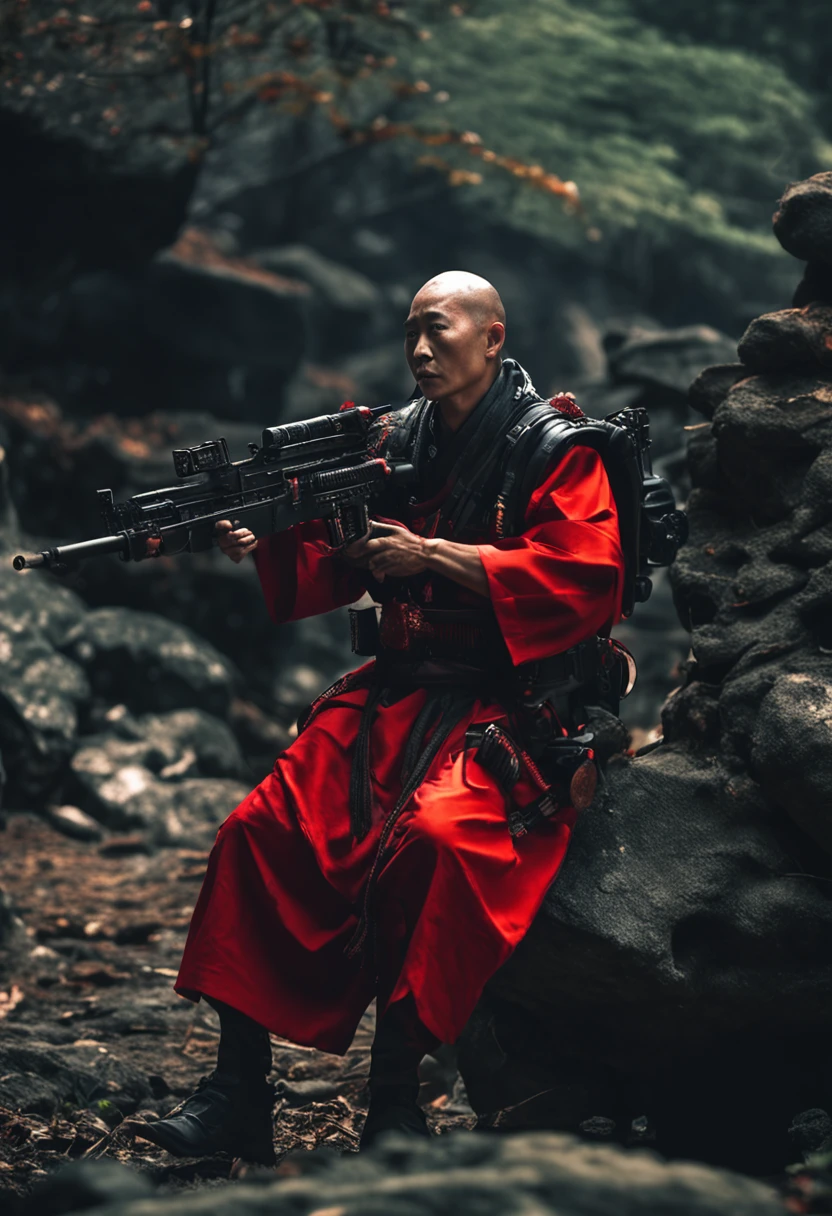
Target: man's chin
[(430, 388)]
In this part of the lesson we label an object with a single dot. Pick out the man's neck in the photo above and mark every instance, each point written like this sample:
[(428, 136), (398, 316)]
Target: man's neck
[(459, 406)]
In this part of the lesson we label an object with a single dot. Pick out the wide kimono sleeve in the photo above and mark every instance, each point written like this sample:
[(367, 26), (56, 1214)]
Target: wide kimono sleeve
[(300, 575), (561, 581)]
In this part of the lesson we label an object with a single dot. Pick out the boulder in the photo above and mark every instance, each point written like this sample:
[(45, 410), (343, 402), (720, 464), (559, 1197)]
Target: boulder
[(215, 750), (792, 748), (73, 822), (343, 304), (123, 176), (372, 377), (207, 306), (665, 362), (794, 337), (175, 776), (42, 692), (666, 952), (816, 285), (261, 738), (148, 663), (538, 1173), (769, 430), (81, 1185), (803, 219), (711, 386)]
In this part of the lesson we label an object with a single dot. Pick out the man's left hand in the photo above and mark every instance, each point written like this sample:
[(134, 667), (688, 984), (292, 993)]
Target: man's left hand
[(389, 549)]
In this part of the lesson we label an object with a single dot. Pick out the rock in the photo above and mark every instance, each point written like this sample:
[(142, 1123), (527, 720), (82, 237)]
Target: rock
[(371, 377), (666, 362), (692, 713), (541, 1173), (769, 430), (152, 784), (125, 188), (82, 1185), (711, 386), (611, 736), (178, 734), (803, 219), (794, 337), (149, 663), (229, 317), (673, 921), (39, 1078), (816, 285), (11, 926), (261, 738), (75, 823), (343, 303), (792, 748), (41, 691), (188, 815), (811, 1131)]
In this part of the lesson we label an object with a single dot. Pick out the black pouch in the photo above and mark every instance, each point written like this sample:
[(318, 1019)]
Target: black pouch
[(566, 775), (364, 635)]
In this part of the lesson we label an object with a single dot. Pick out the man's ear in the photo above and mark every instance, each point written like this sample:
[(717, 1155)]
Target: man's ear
[(495, 336)]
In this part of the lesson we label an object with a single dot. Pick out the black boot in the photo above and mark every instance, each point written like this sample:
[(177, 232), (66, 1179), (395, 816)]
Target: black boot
[(231, 1110), (399, 1044)]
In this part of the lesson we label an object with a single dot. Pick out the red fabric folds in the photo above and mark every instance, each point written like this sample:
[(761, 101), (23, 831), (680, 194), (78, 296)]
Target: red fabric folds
[(562, 580), (457, 893)]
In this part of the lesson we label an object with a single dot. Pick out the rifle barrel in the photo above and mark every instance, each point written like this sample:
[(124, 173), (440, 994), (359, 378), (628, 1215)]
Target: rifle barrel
[(69, 553)]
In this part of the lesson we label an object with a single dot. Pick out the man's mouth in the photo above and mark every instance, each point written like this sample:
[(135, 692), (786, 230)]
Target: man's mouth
[(422, 375)]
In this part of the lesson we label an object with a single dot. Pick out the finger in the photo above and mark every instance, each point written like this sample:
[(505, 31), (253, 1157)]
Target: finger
[(241, 536), (379, 529), (223, 525)]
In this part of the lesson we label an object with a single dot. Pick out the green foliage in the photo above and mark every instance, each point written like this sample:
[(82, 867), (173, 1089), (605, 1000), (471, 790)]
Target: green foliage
[(679, 141), (798, 37)]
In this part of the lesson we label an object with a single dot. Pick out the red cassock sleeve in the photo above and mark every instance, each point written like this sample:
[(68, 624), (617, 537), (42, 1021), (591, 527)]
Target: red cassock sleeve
[(561, 581), (300, 576)]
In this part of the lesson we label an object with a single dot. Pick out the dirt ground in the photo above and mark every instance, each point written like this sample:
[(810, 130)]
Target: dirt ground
[(89, 979)]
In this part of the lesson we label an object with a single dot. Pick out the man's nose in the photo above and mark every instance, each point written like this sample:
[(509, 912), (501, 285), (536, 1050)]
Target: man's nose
[(422, 350)]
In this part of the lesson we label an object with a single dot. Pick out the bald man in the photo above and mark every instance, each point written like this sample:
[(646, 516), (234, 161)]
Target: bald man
[(376, 859)]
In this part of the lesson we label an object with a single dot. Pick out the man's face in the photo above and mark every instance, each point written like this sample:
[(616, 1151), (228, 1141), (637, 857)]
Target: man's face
[(445, 345)]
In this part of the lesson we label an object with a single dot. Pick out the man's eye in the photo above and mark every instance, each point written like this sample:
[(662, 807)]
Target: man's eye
[(436, 325)]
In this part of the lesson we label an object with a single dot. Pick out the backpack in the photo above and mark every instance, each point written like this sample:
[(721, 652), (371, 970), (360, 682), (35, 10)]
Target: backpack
[(652, 528)]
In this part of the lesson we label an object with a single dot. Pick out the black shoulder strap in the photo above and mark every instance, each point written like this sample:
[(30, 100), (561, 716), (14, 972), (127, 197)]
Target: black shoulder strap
[(396, 433)]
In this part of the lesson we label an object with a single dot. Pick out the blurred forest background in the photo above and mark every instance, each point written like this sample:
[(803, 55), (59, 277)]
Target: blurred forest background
[(216, 213)]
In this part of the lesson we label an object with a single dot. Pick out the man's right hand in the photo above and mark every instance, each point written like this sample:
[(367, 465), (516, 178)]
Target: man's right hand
[(235, 542)]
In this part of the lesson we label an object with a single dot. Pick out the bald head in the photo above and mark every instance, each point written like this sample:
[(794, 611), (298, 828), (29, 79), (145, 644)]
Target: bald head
[(453, 338), (471, 292)]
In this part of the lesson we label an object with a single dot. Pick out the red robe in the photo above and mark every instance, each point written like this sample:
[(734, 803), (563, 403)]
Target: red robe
[(283, 891)]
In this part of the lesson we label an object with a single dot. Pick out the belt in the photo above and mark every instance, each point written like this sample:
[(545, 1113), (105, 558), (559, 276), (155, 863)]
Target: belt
[(428, 633)]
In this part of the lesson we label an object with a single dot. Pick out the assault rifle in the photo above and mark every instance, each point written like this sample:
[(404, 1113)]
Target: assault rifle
[(318, 469)]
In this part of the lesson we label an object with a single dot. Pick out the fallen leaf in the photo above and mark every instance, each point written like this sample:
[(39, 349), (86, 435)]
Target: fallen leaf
[(10, 1000)]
